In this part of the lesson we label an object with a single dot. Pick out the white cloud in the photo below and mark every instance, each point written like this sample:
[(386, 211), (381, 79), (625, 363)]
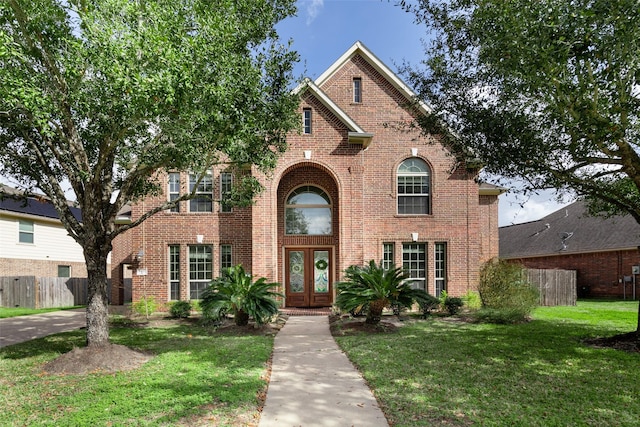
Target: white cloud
[(313, 9), (515, 208)]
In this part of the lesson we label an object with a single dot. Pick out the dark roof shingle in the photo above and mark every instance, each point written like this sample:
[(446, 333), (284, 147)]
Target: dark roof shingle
[(38, 206), (569, 230)]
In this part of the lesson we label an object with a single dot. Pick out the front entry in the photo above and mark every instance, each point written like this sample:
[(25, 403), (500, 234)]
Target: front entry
[(308, 277)]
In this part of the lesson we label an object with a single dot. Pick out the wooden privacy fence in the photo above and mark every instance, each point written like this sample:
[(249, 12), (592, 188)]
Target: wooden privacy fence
[(43, 292), (557, 287)]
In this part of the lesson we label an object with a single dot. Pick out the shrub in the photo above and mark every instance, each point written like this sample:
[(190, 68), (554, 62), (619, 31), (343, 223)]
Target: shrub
[(375, 288), (472, 300), (145, 306), (180, 309), (428, 304), (503, 286), (453, 305), (236, 292)]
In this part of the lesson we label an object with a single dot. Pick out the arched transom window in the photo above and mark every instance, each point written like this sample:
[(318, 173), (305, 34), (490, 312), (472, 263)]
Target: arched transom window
[(414, 182), (308, 212)]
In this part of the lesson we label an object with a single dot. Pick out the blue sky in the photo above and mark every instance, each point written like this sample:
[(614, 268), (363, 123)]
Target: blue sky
[(324, 29)]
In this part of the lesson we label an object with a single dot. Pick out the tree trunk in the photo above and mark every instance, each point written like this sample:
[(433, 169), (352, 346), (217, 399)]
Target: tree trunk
[(241, 318), (375, 311), (98, 301)]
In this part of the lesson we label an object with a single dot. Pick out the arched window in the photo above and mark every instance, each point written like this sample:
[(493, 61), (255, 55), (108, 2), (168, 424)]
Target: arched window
[(414, 182), (308, 212)]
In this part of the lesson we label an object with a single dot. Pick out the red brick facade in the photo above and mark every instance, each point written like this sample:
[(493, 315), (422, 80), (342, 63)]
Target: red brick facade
[(598, 274), (361, 183)]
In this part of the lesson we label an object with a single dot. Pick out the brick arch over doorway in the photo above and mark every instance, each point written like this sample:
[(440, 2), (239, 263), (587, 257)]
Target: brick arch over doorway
[(318, 176)]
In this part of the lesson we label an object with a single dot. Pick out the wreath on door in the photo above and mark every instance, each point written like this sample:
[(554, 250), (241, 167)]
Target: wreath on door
[(321, 264)]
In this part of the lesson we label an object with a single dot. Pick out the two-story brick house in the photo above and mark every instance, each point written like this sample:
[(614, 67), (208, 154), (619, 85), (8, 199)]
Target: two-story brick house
[(352, 186)]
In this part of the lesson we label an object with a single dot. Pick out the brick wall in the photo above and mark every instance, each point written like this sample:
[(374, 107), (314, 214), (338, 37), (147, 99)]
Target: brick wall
[(362, 186), (598, 274), (39, 268)]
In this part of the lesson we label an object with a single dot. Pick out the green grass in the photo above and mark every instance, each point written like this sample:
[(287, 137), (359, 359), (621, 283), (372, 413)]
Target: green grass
[(6, 312), (196, 376), (440, 372)]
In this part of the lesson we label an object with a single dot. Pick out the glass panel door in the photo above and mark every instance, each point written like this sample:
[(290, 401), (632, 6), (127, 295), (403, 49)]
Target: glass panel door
[(321, 272), (296, 271)]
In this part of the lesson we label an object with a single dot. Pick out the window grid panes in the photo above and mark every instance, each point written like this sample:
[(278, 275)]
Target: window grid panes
[(306, 120), (25, 231), (226, 182), (225, 257), (440, 267), (357, 90), (202, 202), (413, 187), (414, 259), (174, 189), (174, 272), (200, 268), (388, 255)]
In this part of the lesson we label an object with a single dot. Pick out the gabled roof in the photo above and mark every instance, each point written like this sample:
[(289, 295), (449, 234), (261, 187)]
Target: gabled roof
[(11, 200), (359, 48), (357, 135), (569, 230)]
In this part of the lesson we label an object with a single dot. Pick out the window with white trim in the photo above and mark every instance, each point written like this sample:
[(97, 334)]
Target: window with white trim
[(26, 231), (440, 267), (174, 272), (413, 179), (203, 200), (306, 120), (414, 262), (200, 268), (226, 261), (226, 182), (174, 189), (357, 90), (64, 271), (388, 254)]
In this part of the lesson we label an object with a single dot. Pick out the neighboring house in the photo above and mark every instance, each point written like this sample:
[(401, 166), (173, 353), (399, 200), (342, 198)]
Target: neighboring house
[(33, 241), (354, 185), (602, 251)]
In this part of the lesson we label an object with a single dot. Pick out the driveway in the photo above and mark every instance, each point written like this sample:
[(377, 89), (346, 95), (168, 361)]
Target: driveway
[(24, 328)]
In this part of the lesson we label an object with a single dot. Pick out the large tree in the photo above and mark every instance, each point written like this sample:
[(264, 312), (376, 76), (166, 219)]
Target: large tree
[(546, 92), (102, 96)]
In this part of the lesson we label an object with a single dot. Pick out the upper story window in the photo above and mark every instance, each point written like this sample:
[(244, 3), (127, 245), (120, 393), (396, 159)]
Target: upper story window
[(25, 231), (357, 90), (226, 182), (414, 184), (308, 212), (306, 120), (203, 201), (174, 189)]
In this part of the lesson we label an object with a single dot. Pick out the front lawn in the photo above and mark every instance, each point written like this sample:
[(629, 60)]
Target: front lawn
[(197, 377), (6, 312), (446, 372)]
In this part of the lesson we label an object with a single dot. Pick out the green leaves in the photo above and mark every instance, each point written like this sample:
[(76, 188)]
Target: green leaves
[(375, 288), (236, 292), (545, 92)]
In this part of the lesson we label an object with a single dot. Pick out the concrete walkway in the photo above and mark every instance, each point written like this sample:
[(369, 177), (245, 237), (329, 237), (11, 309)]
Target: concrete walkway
[(15, 330), (313, 383)]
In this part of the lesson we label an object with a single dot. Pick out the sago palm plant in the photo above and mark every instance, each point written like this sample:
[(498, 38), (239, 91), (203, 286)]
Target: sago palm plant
[(374, 288), (235, 292)]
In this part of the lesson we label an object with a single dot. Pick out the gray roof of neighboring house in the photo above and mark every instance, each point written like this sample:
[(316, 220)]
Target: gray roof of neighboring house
[(569, 230), (12, 201)]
